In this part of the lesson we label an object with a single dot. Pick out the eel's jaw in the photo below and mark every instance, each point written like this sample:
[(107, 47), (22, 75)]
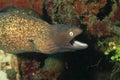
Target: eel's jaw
[(73, 45), (78, 45)]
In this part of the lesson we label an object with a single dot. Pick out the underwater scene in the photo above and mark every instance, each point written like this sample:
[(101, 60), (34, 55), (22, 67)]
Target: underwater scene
[(59, 39)]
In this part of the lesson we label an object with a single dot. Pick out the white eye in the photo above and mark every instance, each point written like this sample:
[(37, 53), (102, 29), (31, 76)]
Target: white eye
[(71, 33)]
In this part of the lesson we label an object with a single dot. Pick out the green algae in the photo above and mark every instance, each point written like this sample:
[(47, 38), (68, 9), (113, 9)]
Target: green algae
[(110, 46), (116, 52)]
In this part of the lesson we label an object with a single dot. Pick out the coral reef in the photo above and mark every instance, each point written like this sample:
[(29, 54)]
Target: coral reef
[(90, 7), (20, 67), (56, 8), (75, 11), (100, 20), (50, 71)]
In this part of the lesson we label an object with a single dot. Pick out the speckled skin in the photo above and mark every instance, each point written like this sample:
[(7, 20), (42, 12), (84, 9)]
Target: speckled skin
[(19, 33), (22, 33)]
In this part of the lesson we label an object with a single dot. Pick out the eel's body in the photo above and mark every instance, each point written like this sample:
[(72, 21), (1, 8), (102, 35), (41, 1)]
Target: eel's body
[(21, 33)]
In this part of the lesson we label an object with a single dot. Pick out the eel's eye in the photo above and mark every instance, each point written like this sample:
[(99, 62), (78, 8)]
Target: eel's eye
[(71, 34)]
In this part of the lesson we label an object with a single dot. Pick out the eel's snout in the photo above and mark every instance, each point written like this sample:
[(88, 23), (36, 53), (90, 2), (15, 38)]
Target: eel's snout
[(74, 43)]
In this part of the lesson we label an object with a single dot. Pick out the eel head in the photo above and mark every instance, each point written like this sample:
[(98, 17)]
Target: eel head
[(64, 38)]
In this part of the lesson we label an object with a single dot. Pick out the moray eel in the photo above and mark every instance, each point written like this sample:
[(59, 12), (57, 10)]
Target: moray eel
[(21, 33)]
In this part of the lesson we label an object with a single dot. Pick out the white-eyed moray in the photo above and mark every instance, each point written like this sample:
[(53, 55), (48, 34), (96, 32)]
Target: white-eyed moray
[(21, 33)]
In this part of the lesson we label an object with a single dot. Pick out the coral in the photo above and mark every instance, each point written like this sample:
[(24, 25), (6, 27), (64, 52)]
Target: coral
[(30, 70), (56, 9), (77, 7), (116, 10), (106, 30), (26, 67), (52, 68), (8, 66), (90, 7), (74, 11), (100, 28)]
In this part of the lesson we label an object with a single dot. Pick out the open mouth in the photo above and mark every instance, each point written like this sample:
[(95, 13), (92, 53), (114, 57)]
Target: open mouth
[(77, 44)]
